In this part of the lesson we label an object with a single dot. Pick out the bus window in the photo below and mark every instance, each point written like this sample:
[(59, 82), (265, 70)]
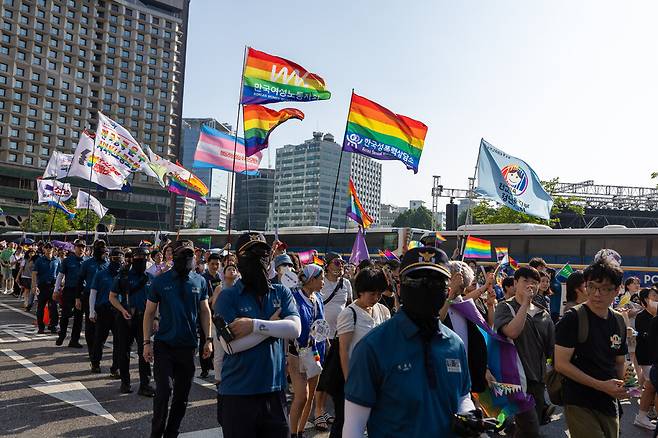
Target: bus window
[(592, 246), (517, 248), (557, 251), (633, 250)]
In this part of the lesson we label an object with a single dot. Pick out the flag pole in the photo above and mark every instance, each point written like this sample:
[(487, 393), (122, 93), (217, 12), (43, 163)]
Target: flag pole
[(340, 161), (235, 145), (59, 198), (125, 218), (91, 169)]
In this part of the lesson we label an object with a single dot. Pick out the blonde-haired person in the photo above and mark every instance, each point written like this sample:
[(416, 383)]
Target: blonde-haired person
[(310, 308)]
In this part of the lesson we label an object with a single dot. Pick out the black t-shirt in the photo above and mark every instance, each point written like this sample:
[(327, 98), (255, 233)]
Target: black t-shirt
[(595, 357), (643, 349), (213, 282), (389, 302)]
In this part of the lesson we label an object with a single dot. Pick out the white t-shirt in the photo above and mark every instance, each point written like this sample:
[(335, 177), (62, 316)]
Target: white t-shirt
[(338, 301), (364, 322)]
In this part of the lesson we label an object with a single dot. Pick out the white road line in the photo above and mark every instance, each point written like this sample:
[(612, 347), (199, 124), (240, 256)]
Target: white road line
[(22, 312), (73, 393), (16, 335), (206, 433)]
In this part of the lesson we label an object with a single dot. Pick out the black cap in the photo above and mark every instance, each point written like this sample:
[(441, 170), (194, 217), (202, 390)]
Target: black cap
[(426, 257), (116, 252), (331, 256), (141, 251), (99, 243), (181, 245), (247, 240)]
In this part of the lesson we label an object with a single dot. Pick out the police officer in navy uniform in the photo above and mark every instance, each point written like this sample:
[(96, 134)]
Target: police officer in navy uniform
[(211, 274), (44, 273), (260, 316), (181, 296), (102, 313), (97, 262), (128, 296), (69, 271), (409, 376)]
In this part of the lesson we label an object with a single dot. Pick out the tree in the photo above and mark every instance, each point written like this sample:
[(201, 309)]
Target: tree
[(486, 212), (40, 221), (419, 217)]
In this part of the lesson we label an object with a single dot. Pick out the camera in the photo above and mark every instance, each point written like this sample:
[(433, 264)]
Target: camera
[(223, 329)]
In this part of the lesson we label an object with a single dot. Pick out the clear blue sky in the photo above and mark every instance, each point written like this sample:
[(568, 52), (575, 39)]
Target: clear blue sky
[(569, 86)]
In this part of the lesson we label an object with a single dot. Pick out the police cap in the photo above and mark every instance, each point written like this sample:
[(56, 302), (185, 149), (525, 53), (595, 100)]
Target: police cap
[(426, 257)]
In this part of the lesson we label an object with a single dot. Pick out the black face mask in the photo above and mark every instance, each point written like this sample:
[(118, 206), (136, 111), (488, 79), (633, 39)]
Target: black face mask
[(99, 254), (422, 299), (254, 269), (139, 265), (114, 267), (184, 263)]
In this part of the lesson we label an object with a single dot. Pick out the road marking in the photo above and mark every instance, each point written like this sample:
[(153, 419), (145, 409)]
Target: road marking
[(22, 312), (73, 393), (206, 433), (22, 333)]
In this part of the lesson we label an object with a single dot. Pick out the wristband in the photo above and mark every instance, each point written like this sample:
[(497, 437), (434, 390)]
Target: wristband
[(147, 342)]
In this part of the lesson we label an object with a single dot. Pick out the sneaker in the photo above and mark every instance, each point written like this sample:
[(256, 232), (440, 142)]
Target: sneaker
[(114, 374), (96, 369), (75, 345), (59, 341), (146, 391), (125, 389), (644, 422), (652, 413), (204, 374)]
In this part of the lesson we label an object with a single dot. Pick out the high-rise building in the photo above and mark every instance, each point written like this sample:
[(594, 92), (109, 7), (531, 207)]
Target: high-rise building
[(253, 199), (388, 214), (305, 181), (213, 214), (61, 61)]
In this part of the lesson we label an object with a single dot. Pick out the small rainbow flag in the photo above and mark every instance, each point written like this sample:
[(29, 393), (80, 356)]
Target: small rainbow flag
[(259, 122), (501, 252), (268, 79), (70, 213), (414, 244), (507, 260), (192, 188), (318, 261), (355, 210), (377, 132), (477, 248), (439, 237)]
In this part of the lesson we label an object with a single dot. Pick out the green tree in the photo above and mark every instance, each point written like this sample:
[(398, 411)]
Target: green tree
[(40, 221), (420, 217), (486, 212)]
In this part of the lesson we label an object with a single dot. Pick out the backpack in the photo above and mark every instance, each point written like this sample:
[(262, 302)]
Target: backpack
[(554, 380)]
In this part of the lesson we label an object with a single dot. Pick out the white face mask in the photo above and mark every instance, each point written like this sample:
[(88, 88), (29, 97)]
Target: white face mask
[(282, 270), (652, 306)]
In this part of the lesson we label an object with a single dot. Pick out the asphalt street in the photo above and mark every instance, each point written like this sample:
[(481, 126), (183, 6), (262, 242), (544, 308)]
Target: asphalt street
[(48, 391)]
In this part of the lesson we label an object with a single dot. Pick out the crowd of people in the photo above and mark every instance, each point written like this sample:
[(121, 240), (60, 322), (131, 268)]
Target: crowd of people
[(380, 346)]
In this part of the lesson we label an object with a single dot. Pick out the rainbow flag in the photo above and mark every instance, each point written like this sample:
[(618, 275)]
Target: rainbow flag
[(318, 261), (355, 210), (477, 248), (70, 213), (268, 79), (259, 122), (414, 244), (507, 260), (377, 132), (501, 252), (391, 256), (192, 188), (439, 237)]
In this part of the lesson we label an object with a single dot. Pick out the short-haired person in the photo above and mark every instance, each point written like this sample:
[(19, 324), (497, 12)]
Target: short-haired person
[(594, 369), (354, 322), (643, 352), (409, 376), (282, 264), (336, 294), (508, 287), (260, 315), (69, 271), (531, 329), (181, 297), (538, 263), (128, 296), (44, 273), (576, 290)]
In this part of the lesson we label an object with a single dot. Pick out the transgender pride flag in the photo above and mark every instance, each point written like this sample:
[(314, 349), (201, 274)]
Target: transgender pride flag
[(215, 150)]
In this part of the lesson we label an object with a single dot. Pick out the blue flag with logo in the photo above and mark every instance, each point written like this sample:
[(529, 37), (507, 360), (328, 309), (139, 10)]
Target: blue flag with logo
[(511, 182)]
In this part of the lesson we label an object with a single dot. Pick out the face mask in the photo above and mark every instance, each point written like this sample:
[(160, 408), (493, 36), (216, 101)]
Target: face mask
[(422, 299), (99, 254), (114, 267), (255, 272), (184, 264), (282, 270), (139, 265)]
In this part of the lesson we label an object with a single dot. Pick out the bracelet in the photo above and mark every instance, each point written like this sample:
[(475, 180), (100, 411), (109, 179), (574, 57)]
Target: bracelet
[(147, 342)]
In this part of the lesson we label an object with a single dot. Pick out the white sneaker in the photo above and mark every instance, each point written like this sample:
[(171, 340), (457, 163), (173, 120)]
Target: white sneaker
[(644, 422)]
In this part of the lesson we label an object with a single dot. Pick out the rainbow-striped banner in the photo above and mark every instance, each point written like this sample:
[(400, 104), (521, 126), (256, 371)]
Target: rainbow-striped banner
[(501, 251), (377, 132), (439, 237), (268, 79), (477, 248), (355, 210), (259, 122)]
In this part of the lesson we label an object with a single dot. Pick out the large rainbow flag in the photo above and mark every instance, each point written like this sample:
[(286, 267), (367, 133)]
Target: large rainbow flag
[(355, 210), (377, 132), (268, 79), (477, 248), (506, 397), (259, 122)]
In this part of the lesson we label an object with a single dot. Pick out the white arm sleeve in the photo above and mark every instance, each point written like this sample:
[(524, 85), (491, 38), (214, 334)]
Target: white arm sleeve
[(356, 418), (242, 344), (288, 328), (218, 358), (58, 282), (92, 302), (465, 404)]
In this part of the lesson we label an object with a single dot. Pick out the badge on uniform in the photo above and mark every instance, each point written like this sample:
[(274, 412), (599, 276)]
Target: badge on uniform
[(453, 365), (404, 367)]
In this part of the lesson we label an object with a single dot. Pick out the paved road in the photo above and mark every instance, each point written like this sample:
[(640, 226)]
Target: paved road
[(48, 391)]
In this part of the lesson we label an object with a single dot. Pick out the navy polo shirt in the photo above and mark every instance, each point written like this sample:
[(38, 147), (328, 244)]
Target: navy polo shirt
[(102, 282), (179, 298), (214, 281), (388, 374), (261, 369), (136, 296), (88, 270), (71, 267), (46, 269)]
